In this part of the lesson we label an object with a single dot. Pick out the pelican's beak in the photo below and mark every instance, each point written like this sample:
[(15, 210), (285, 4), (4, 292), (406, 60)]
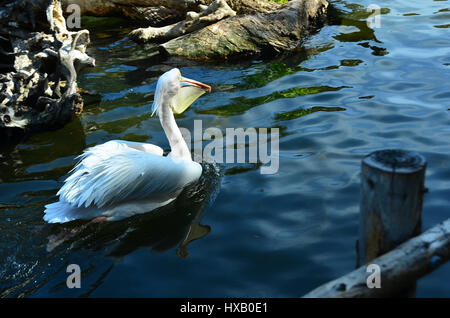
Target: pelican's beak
[(189, 91), (189, 82)]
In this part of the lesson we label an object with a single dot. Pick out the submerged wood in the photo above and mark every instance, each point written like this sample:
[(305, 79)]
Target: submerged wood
[(41, 58), (405, 264)]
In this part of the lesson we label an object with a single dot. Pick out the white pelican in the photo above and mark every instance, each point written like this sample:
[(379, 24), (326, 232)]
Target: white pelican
[(118, 179)]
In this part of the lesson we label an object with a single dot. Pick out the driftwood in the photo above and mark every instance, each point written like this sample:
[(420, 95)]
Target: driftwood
[(217, 11), (401, 266), (38, 88), (153, 12)]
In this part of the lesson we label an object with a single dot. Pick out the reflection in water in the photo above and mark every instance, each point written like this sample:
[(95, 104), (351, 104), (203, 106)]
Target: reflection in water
[(39, 160), (241, 104), (29, 174), (162, 229), (196, 231), (302, 112), (174, 225)]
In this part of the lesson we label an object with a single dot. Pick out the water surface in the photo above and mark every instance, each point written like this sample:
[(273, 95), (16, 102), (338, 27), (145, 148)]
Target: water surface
[(350, 91)]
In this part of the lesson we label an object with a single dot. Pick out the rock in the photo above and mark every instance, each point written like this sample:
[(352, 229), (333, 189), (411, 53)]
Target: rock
[(38, 88), (249, 34)]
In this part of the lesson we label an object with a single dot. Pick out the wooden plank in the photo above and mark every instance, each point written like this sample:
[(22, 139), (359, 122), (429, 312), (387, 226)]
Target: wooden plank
[(398, 268)]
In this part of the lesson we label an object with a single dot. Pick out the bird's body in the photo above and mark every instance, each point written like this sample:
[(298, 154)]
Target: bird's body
[(118, 179)]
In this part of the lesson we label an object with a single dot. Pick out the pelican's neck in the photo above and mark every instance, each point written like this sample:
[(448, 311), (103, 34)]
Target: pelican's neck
[(177, 143)]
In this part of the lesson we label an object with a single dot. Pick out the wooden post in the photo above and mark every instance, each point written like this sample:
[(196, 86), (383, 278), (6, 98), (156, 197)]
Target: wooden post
[(392, 188)]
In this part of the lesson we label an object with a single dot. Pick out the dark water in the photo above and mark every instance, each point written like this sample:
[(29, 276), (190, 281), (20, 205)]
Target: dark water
[(351, 91)]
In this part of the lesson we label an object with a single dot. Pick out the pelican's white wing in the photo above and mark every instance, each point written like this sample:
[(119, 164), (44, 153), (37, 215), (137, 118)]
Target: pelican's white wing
[(116, 172), (149, 148)]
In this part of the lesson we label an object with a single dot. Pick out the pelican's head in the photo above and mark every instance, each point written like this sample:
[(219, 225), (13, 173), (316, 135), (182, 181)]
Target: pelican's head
[(180, 91)]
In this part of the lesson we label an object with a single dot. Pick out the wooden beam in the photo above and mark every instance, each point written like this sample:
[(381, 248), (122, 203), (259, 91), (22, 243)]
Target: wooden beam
[(398, 268)]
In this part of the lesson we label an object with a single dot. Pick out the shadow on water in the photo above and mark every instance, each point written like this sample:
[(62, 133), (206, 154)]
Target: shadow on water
[(46, 155), (352, 22), (241, 104), (177, 223)]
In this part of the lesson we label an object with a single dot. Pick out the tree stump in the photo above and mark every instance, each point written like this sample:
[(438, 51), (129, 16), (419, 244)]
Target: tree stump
[(38, 83)]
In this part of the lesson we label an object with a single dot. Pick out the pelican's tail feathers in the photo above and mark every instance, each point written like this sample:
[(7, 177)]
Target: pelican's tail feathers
[(62, 212)]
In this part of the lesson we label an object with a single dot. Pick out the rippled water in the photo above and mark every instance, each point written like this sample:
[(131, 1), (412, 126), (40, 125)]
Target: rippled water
[(351, 91)]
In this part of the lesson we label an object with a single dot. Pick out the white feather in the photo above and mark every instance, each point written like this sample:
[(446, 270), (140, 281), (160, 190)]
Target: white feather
[(113, 173), (116, 176)]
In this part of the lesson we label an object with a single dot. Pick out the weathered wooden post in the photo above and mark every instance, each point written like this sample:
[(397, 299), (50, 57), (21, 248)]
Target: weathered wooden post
[(392, 188)]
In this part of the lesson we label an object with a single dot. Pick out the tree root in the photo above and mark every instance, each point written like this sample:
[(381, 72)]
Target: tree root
[(215, 12), (38, 88)]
